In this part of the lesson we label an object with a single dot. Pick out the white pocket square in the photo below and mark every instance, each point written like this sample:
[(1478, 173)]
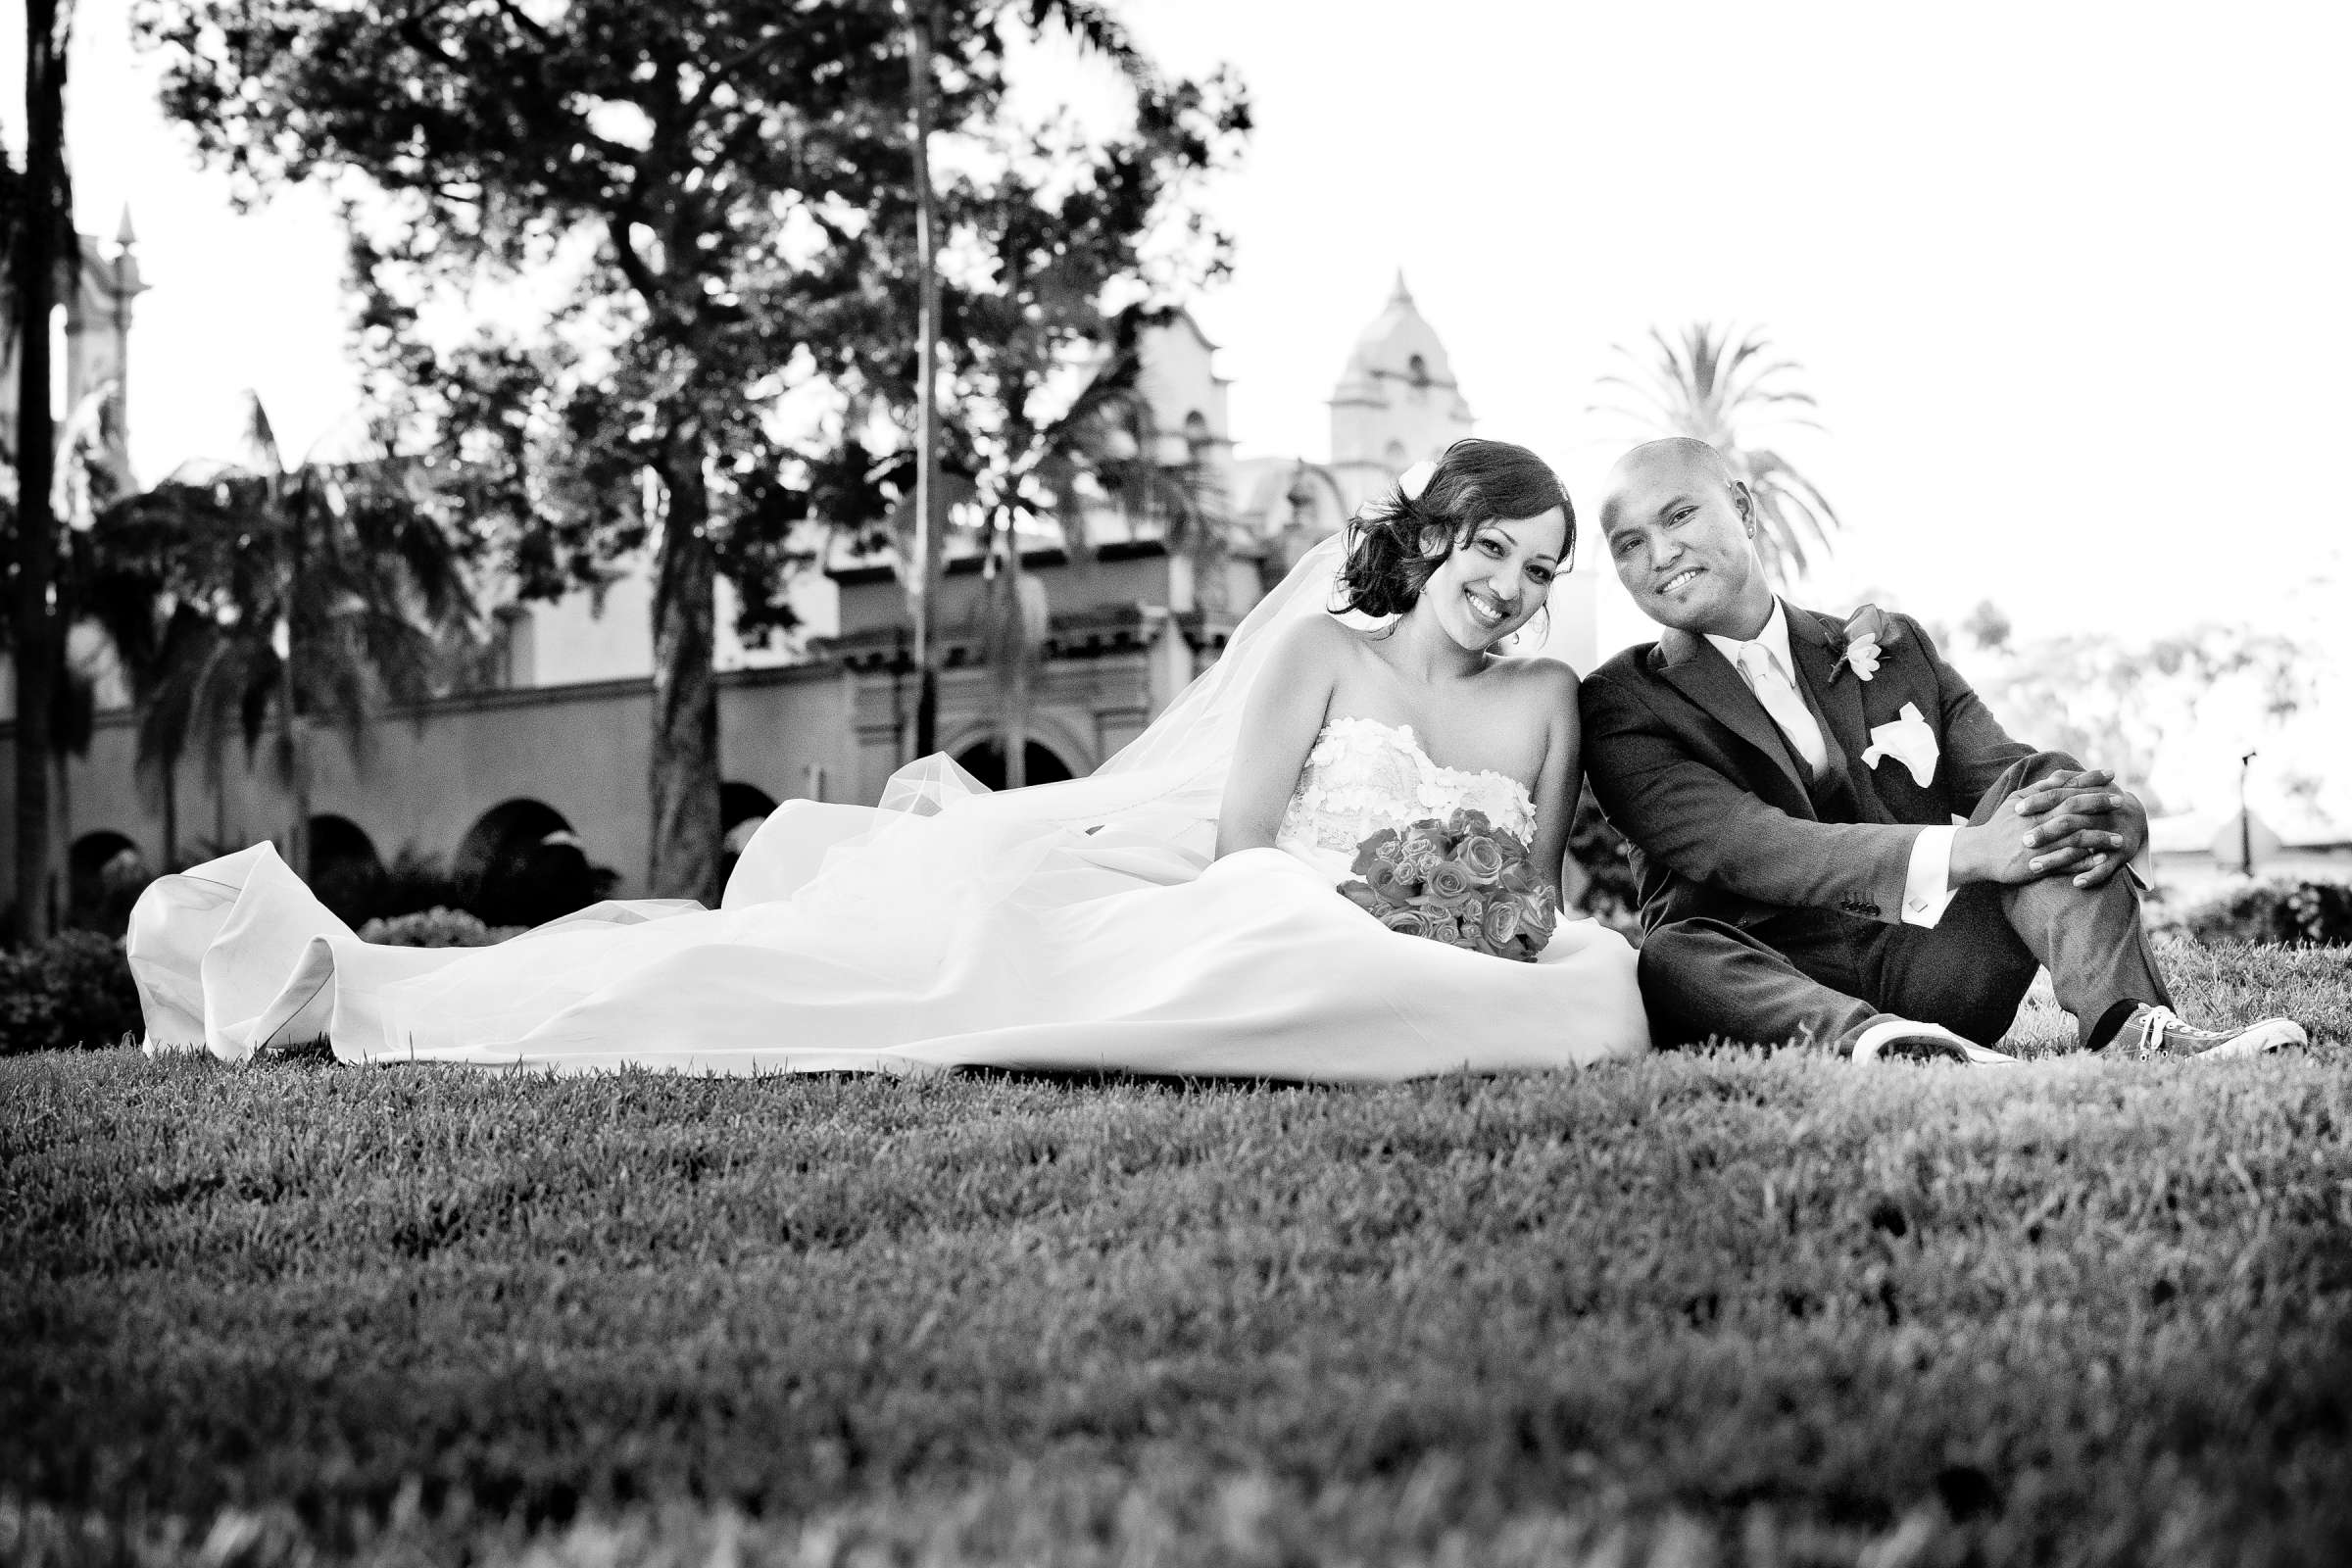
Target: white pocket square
[(1908, 739)]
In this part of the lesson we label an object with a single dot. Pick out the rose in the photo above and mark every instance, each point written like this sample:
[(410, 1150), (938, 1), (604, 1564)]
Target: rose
[(1364, 895), (1380, 849), (1442, 927), (1538, 912), (1407, 922), (1471, 820), (1502, 922), (1389, 886), (1479, 856), (1448, 881), (1470, 910), (1425, 845)]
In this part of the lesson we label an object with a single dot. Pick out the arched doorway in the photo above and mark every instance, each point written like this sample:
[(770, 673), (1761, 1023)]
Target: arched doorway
[(520, 863), (346, 872), (742, 808), (985, 762), (104, 876)]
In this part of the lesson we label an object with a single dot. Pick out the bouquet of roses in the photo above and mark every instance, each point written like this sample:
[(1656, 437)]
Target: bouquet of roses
[(1462, 881)]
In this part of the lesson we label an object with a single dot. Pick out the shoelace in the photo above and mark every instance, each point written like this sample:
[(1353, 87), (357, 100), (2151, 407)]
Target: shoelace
[(2159, 1018)]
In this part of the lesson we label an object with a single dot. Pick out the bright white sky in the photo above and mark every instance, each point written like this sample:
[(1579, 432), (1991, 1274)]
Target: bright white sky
[(2070, 281)]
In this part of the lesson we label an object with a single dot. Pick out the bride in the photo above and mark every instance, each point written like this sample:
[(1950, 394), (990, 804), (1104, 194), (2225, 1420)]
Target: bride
[(1175, 912)]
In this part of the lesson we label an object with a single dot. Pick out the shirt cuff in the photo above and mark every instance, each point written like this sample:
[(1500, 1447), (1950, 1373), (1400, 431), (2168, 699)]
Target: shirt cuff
[(1928, 886)]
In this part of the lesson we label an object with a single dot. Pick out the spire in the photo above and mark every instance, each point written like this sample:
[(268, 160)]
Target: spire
[(1400, 295), (124, 235)]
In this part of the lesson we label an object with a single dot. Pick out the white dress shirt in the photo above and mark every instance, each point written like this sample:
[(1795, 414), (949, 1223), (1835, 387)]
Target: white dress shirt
[(1927, 886)]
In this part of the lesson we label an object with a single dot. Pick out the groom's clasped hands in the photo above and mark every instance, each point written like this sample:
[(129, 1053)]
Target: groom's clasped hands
[(2072, 822)]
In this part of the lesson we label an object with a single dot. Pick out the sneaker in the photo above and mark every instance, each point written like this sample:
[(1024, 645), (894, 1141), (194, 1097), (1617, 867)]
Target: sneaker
[(2151, 1030), (1902, 1040)]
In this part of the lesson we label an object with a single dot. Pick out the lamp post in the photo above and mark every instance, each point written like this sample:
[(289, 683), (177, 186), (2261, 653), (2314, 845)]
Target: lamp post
[(2246, 818), (920, 17)]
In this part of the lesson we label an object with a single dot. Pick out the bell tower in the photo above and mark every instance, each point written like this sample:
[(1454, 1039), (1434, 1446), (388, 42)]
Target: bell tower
[(98, 295), (1397, 403)]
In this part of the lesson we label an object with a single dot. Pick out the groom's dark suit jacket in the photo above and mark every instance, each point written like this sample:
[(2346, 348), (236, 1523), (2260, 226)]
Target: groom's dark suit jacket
[(1725, 819)]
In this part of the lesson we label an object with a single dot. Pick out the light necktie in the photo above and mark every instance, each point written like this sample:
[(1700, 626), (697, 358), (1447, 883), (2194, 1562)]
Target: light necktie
[(1779, 695)]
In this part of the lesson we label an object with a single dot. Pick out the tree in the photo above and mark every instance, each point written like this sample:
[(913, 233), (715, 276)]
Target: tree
[(2121, 705), (278, 593), (1724, 393), (723, 191), (1100, 455), (40, 233)]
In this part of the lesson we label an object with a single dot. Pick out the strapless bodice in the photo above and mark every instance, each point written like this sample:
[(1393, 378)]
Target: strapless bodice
[(1363, 775)]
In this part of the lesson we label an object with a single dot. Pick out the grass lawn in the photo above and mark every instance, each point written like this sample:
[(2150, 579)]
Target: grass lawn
[(1707, 1308)]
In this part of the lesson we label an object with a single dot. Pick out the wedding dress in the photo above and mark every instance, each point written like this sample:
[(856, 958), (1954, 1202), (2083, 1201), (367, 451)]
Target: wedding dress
[(1072, 926)]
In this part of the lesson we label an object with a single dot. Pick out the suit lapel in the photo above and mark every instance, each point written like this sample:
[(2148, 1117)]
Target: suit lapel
[(1696, 669)]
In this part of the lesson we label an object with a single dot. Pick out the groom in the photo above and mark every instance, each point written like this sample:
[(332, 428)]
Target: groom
[(1793, 787)]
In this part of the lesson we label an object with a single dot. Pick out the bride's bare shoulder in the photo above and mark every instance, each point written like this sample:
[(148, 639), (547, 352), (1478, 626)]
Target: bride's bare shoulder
[(1319, 643), (1539, 686)]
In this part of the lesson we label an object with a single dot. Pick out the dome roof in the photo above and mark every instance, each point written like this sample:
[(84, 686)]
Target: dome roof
[(1401, 343)]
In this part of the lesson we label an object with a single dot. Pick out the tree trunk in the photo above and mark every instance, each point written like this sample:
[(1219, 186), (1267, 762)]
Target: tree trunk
[(170, 860), (37, 529), (684, 775)]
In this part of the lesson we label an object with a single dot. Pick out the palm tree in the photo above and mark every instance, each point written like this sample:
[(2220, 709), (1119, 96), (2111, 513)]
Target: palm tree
[(1103, 455), (285, 592), (1727, 393)]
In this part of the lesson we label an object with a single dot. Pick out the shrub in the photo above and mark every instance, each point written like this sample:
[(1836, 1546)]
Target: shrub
[(73, 990), (1613, 895), (434, 929), (2305, 913)]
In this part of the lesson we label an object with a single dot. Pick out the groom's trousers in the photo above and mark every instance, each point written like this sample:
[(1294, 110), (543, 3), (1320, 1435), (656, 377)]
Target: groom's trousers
[(1822, 975)]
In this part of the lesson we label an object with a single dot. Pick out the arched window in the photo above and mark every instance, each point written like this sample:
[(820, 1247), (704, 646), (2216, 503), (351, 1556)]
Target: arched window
[(1416, 370), (742, 809), (985, 762), (346, 872), (105, 873)]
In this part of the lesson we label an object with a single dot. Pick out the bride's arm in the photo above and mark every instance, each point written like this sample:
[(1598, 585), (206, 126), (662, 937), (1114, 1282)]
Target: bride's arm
[(1284, 713), (1562, 777)]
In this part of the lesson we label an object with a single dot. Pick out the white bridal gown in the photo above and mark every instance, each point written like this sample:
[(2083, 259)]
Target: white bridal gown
[(1072, 926)]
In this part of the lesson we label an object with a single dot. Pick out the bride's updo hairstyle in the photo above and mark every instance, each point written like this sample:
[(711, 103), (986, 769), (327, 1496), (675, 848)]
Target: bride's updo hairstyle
[(1395, 545)]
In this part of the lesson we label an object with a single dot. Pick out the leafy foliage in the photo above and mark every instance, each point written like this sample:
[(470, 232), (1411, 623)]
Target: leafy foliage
[(73, 990), (717, 196), (2291, 913), (1611, 893), (2116, 703), (1729, 393), (283, 593), (435, 928)]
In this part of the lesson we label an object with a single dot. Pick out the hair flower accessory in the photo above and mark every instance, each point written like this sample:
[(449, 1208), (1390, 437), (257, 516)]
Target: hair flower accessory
[(1415, 479), (1869, 634)]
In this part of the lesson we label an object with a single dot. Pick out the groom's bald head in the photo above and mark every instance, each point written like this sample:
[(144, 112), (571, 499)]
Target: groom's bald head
[(1677, 523), (1676, 457)]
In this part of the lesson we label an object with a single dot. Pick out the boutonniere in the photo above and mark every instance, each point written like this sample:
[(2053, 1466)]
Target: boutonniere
[(1869, 635)]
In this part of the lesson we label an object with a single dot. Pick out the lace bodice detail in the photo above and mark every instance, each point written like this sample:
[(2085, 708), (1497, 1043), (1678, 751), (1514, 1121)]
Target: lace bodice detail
[(1363, 775)]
